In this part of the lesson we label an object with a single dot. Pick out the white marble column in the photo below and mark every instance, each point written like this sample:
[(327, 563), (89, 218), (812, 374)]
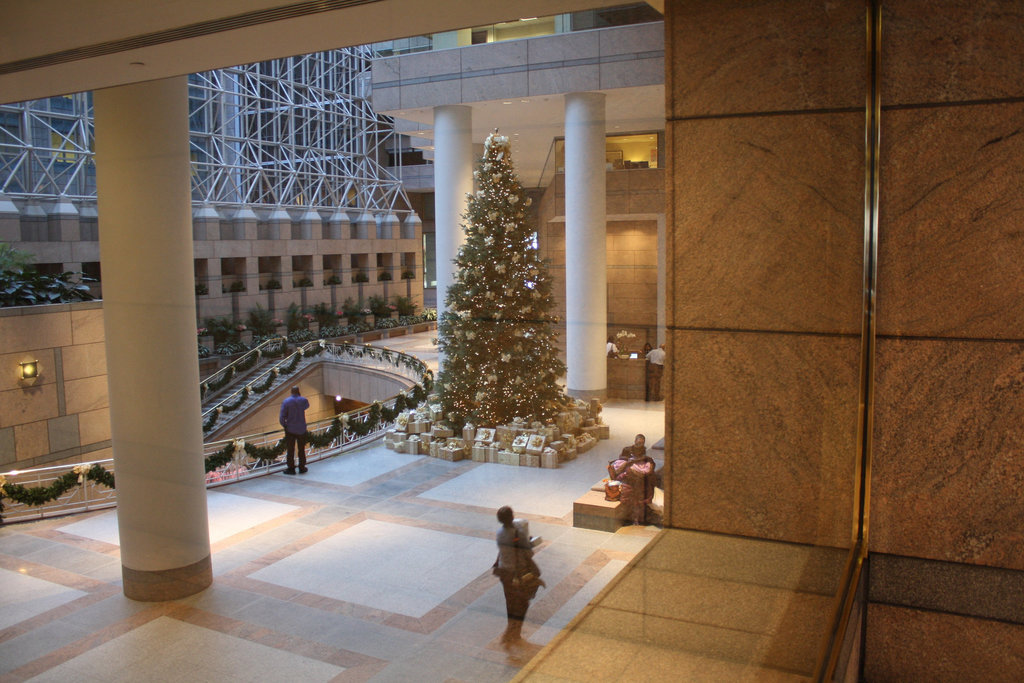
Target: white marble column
[(144, 198), (586, 279), (453, 180)]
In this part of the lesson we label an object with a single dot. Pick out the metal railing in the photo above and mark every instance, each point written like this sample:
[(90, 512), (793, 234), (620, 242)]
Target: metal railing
[(89, 495), (240, 364)]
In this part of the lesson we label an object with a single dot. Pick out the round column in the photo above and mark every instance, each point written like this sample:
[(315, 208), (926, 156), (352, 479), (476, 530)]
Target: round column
[(453, 180), (144, 201), (586, 278)]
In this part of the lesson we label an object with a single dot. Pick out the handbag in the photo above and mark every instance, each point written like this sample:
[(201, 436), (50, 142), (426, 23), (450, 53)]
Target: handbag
[(612, 490)]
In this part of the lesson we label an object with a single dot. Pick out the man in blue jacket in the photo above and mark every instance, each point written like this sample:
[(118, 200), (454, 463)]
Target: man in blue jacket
[(293, 419)]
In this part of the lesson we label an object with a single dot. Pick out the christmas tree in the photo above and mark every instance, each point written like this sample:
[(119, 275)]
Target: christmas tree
[(496, 335)]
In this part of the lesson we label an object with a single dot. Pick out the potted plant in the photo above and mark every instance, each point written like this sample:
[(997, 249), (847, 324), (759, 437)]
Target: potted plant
[(384, 276), (201, 289), (244, 333), (205, 338), (273, 284), (360, 276)]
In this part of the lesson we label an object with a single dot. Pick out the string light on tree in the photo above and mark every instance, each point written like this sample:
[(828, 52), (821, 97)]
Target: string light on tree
[(496, 333)]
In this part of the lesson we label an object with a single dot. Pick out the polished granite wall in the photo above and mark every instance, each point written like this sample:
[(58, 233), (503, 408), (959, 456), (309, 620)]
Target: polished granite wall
[(765, 128), (947, 577), (765, 109)]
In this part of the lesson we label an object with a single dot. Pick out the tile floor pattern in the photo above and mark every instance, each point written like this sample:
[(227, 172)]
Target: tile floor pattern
[(373, 566)]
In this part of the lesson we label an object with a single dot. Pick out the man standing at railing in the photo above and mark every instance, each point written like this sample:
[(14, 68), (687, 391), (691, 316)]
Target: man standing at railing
[(293, 419)]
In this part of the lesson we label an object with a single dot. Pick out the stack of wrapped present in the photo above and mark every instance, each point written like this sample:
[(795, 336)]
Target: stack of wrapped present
[(519, 443)]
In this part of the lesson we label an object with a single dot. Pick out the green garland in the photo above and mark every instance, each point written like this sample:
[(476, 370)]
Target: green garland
[(40, 495)]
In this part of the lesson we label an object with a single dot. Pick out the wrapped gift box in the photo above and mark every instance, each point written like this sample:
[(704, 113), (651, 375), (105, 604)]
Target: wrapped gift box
[(492, 452), (549, 458), (436, 412), (603, 431), (568, 454), (440, 432), (527, 460), (508, 458), (504, 436), (485, 435), (434, 449), (452, 454), (591, 430), (519, 443), (417, 426), (480, 452), (469, 433), (535, 444)]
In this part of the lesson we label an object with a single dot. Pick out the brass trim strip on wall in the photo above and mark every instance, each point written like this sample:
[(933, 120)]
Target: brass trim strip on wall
[(196, 30), (847, 594), (871, 203)]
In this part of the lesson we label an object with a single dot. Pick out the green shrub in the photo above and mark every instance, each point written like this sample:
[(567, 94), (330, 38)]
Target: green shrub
[(324, 316), (222, 329), (405, 305), (293, 318), (261, 321), (378, 305)]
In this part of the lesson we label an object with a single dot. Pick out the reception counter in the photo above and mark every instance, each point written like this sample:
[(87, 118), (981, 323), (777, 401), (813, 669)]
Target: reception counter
[(627, 378)]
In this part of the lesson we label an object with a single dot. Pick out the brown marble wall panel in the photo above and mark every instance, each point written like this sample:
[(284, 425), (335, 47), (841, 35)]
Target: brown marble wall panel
[(952, 587), (952, 50), (763, 432), (734, 56), (951, 249), (768, 223), (913, 645), (947, 472)]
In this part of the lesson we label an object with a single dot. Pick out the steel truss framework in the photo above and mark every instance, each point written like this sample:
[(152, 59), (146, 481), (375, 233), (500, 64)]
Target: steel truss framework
[(293, 132)]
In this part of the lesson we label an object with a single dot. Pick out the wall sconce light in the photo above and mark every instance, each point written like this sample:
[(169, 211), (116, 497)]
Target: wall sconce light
[(29, 369)]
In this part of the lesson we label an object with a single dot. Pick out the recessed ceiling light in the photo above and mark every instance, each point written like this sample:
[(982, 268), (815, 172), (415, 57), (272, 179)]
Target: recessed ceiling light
[(507, 102)]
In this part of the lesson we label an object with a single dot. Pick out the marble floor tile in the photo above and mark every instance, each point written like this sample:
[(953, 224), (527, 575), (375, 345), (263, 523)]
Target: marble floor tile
[(170, 650), (396, 568), (229, 514), (23, 597)]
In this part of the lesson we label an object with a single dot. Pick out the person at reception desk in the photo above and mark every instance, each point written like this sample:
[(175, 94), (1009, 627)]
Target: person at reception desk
[(612, 349), (655, 369)]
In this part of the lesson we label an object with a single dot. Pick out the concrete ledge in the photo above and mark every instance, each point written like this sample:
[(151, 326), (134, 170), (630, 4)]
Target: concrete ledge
[(592, 511)]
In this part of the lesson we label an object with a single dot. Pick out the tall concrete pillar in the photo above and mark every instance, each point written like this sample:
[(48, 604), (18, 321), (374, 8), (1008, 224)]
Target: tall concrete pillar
[(453, 180), (586, 279), (142, 175)]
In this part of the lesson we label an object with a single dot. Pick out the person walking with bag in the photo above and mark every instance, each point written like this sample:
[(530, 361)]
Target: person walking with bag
[(519, 574)]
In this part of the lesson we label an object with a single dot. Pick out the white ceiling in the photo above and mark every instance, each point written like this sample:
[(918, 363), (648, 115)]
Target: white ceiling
[(82, 45), (50, 47)]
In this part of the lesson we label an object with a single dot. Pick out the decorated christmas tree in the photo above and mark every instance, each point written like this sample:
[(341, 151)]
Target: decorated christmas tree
[(496, 334)]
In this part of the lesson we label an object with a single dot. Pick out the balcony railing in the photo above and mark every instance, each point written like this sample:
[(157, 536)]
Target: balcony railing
[(66, 489)]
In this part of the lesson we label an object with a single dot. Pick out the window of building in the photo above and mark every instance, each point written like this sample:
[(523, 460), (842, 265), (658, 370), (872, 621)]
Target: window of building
[(429, 257)]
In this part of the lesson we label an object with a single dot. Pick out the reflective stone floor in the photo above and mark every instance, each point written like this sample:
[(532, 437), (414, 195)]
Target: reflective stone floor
[(373, 566)]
